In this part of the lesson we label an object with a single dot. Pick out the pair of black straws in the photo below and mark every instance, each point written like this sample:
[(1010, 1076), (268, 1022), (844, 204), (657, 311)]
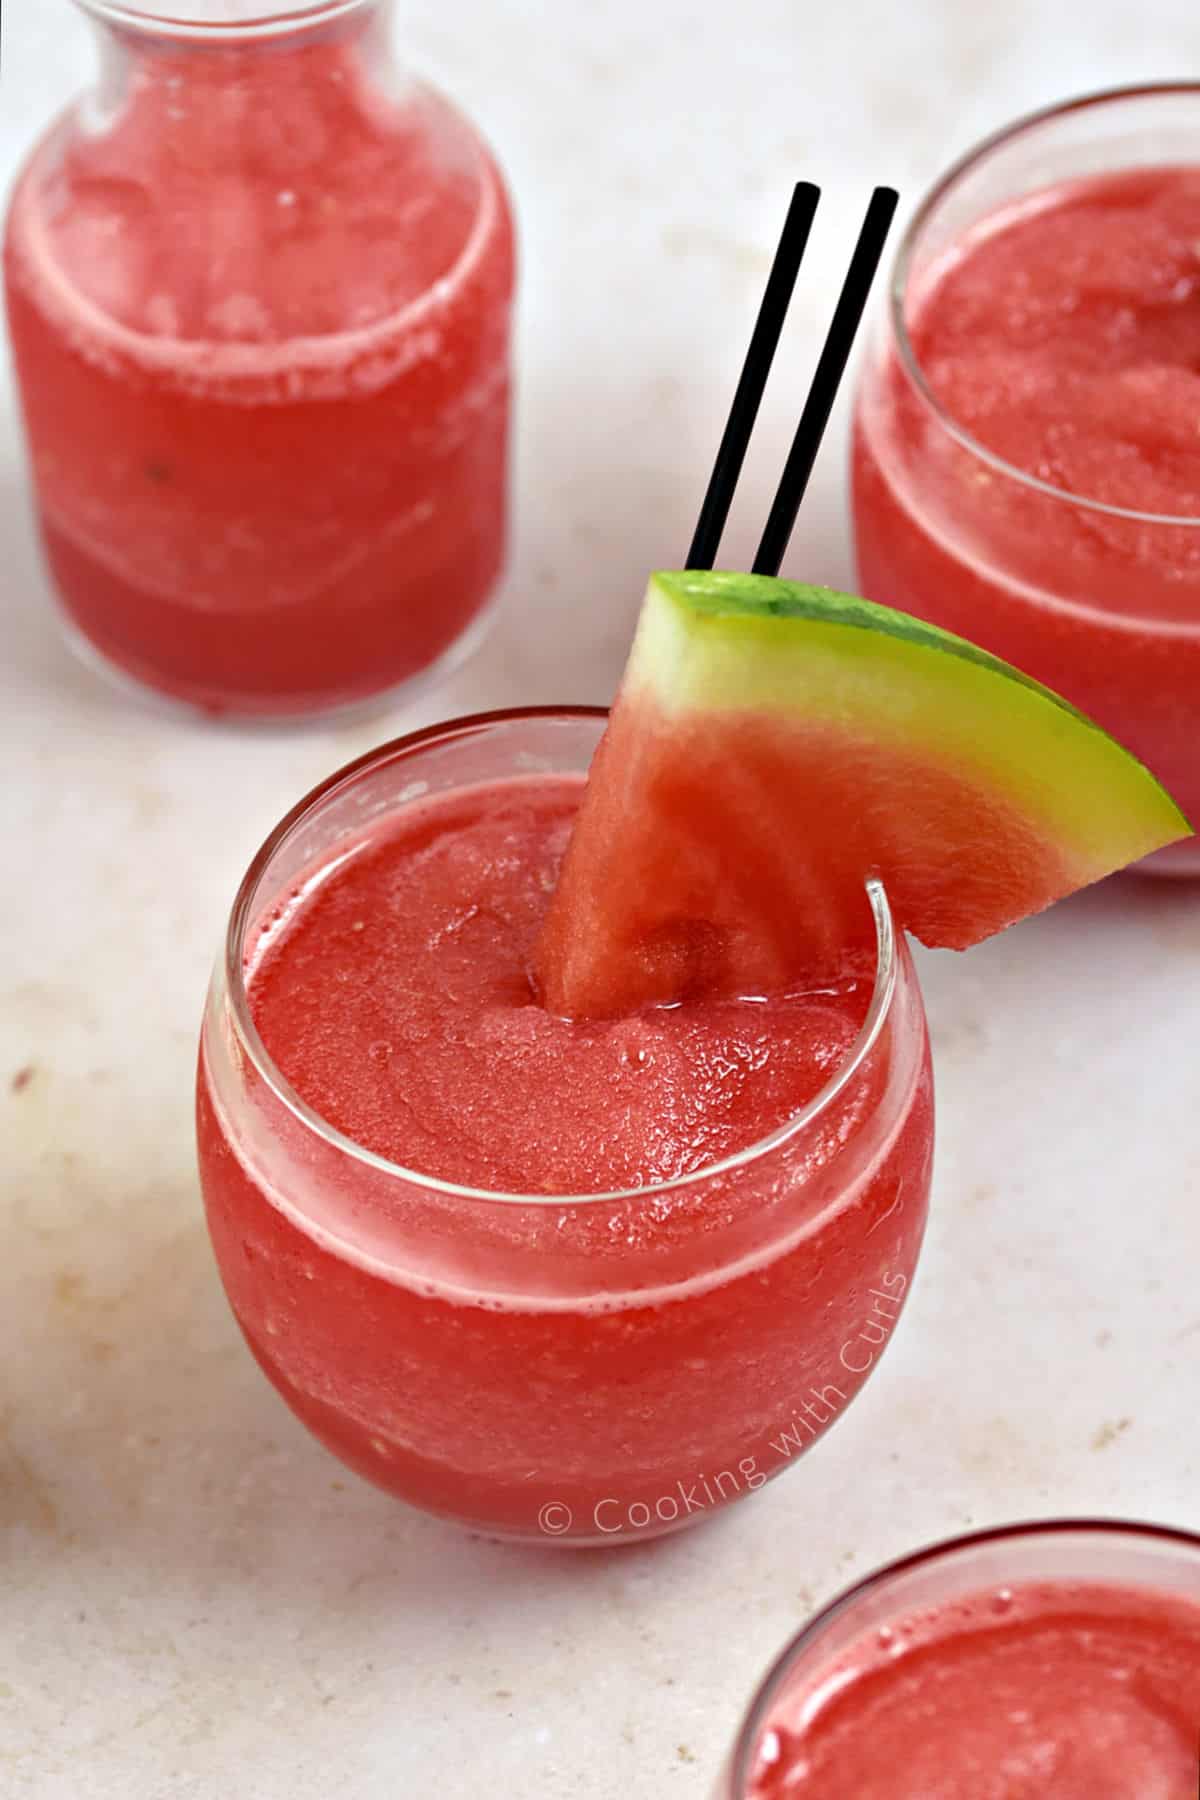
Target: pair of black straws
[(821, 394)]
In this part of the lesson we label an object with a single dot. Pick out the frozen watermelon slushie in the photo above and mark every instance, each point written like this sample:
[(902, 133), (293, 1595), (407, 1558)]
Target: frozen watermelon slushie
[(577, 1186), (259, 302), (599, 1368), (1058, 1661), (1026, 463)]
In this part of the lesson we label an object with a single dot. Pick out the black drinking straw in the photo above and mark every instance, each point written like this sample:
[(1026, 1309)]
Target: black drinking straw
[(829, 371), (771, 314)]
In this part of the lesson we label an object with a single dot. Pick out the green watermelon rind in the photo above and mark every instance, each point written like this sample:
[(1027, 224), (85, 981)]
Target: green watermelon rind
[(724, 594), (723, 641)]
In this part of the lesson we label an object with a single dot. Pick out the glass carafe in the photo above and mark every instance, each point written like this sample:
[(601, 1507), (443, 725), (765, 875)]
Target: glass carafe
[(258, 289)]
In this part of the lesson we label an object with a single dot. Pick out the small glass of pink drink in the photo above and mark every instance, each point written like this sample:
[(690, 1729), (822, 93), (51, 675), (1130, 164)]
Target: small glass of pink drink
[(258, 289), (1026, 463), (584, 1282), (1059, 1661)]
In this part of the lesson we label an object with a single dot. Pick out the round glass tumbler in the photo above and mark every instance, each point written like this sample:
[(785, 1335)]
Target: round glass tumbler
[(1025, 462), (258, 288), (1031, 1659), (587, 1368)]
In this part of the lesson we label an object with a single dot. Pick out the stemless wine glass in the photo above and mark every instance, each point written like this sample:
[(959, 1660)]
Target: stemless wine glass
[(1135, 1565), (1100, 601), (588, 1368), (258, 289)]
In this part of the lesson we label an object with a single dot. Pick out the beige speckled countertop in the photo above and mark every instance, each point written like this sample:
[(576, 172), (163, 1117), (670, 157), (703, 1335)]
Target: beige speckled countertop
[(194, 1599)]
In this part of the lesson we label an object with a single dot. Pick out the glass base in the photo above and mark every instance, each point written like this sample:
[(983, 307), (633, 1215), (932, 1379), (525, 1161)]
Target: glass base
[(549, 1539), (1178, 862), (289, 715)]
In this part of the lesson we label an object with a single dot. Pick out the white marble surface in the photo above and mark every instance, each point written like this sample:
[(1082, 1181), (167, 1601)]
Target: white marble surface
[(194, 1601)]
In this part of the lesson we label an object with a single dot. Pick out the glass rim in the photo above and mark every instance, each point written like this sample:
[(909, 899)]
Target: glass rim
[(263, 19), (231, 969), (901, 267), (949, 1550)]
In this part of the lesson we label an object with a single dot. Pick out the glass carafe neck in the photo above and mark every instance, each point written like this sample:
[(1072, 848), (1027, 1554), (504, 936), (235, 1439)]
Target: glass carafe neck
[(231, 23), (224, 52)]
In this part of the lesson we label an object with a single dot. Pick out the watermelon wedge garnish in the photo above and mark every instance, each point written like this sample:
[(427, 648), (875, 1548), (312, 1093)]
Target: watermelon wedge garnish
[(772, 746)]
